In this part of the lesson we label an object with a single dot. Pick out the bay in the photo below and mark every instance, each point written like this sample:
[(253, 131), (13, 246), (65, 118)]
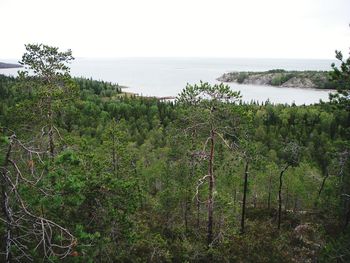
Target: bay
[(163, 77)]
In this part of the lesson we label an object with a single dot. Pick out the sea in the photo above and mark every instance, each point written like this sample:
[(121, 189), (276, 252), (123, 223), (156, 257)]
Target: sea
[(166, 77)]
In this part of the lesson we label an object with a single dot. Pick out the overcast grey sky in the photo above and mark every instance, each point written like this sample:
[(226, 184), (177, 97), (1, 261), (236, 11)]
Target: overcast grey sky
[(216, 28)]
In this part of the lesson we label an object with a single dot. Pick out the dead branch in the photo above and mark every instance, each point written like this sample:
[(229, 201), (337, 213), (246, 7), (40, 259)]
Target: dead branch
[(201, 181), (23, 226)]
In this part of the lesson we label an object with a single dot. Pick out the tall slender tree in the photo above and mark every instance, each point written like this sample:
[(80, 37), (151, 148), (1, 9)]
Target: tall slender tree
[(207, 106), (47, 67)]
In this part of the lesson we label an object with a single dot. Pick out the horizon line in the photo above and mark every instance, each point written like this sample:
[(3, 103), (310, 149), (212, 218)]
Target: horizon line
[(187, 57)]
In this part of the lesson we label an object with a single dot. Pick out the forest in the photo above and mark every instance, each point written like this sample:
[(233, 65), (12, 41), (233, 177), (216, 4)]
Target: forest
[(90, 174)]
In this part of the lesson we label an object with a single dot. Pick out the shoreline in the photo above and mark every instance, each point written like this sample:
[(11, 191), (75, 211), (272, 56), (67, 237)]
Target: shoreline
[(4, 65), (130, 94)]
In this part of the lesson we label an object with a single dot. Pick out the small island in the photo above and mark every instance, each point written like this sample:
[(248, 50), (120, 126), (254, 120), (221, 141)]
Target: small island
[(9, 65), (281, 78)]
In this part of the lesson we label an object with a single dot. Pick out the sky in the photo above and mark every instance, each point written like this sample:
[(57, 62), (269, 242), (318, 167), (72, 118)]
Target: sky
[(178, 28)]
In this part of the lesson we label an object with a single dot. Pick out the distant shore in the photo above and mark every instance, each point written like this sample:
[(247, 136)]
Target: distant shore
[(9, 65), (281, 78), (133, 94)]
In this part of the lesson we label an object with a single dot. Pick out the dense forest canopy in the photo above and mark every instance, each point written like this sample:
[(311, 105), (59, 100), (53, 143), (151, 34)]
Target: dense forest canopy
[(89, 174)]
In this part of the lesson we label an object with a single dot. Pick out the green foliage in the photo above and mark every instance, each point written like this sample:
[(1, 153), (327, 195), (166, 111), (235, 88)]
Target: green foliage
[(46, 62), (208, 94), (276, 71), (125, 174), (241, 77), (279, 79), (337, 250), (340, 77), (105, 89)]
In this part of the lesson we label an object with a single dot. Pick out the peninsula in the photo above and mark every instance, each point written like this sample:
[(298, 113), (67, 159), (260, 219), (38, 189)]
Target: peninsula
[(281, 78)]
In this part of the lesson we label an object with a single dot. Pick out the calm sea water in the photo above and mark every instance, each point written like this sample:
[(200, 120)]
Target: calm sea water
[(168, 76)]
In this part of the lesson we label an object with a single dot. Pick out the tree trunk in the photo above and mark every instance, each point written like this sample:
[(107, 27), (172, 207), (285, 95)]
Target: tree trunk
[(50, 133), (295, 207), (51, 143), (321, 188), (244, 196), (51, 137), (255, 197), (280, 197), (211, 190)]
